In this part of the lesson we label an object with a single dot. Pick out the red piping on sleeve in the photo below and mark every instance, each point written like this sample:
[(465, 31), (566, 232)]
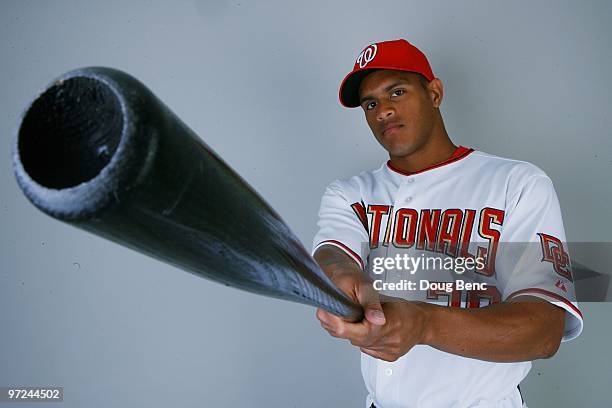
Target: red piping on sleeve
[(547, 293), (348, 250)]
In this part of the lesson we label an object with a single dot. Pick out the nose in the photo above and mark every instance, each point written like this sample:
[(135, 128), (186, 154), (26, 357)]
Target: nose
[(385, 111)]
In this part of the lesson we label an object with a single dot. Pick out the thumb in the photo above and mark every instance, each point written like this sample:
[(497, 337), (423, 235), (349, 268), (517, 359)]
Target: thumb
[(374, 314)]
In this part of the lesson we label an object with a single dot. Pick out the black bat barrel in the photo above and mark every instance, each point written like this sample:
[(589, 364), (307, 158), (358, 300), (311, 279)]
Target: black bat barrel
[(98, 150)]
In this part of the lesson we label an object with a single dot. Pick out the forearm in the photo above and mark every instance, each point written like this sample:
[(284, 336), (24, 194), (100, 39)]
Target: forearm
[(334, 262), (505, 332)]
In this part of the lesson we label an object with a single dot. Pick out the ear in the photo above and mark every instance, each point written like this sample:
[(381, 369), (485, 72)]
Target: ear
[(436, 92)]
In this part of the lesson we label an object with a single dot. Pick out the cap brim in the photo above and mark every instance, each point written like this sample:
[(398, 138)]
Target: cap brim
[(349, 89)]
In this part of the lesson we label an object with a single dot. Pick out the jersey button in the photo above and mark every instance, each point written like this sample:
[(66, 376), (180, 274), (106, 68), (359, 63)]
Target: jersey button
[(389, 372), (408, 199), (411, 180)]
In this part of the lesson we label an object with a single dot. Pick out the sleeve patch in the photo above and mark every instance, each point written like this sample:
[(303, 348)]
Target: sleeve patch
[(553, 252)]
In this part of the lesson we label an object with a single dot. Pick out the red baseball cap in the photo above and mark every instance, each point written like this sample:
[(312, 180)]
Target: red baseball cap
[(397, 54)]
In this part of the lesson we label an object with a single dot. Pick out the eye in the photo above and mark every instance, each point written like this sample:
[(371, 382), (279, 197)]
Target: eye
[(397, 92), (370, 105)]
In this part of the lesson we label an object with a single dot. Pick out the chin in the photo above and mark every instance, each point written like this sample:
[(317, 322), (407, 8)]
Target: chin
[(400, 144), (400, 149), (405, 146)]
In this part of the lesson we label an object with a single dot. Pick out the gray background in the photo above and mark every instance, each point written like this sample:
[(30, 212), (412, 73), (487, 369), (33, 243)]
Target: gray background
[(258, 80)]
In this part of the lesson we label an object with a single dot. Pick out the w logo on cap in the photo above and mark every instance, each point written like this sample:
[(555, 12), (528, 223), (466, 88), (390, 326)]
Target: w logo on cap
[(398, 55), (366, 55)]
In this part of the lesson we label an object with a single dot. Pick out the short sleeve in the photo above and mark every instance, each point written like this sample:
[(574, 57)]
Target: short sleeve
[(342, 224), (532, 257)]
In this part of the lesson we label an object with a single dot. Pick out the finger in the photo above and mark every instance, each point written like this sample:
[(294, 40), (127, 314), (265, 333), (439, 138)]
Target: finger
[(373, 310), (350, 331), (374, 314), (330, 330), (325, 316), (320, 314), (376, 354), (327, 327), (328, 318), (361, 331), (343, 329), (330, 322), (380, 355), (366, 294)]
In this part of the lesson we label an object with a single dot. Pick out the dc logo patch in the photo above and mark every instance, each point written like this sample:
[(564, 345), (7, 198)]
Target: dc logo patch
[(367, 55), (553, 252)]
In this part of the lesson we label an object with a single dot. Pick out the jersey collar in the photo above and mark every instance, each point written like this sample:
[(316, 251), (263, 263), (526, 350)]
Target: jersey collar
[(459, 154)]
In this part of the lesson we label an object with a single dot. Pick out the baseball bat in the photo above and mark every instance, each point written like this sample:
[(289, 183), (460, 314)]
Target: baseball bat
[(96, 149)]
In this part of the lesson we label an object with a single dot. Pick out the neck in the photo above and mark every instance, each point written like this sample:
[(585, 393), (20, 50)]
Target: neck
[(438, 148)]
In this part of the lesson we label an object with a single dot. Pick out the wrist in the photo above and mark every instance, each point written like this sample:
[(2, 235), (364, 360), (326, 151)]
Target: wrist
[(430, 318)]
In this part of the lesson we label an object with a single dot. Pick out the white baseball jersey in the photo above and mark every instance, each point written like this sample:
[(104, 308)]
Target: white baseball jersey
[(504, 212)]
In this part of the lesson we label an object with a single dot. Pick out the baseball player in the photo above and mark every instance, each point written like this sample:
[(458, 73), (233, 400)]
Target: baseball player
[(430, 344)]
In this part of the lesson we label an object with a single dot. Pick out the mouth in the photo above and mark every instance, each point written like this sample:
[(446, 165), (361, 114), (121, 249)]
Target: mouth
[(391, 128)]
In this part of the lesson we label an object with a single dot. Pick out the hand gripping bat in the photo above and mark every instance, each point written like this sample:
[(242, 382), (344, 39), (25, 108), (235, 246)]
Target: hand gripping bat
[(98, 150)]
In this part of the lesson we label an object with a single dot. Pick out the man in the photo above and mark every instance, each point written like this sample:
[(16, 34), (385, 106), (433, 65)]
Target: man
[(434, 199)]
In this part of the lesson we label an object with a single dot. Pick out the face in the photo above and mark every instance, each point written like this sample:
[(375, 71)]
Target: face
[(400, 110)]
